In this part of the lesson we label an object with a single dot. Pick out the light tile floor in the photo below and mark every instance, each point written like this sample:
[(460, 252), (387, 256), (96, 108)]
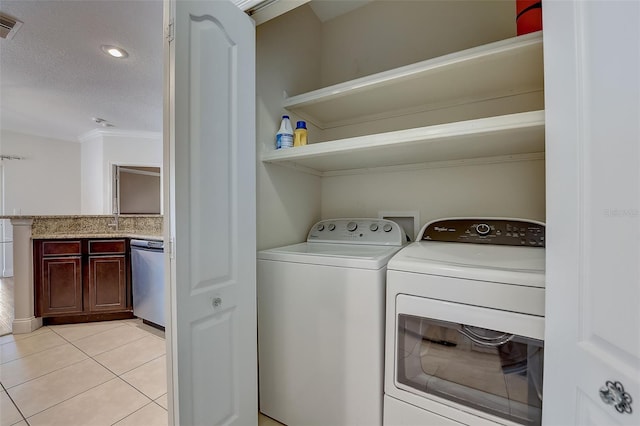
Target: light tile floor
[(101, 373), (104, 373), (6, 305)]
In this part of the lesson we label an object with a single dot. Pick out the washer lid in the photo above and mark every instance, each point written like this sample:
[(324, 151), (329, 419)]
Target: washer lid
[(340, 255), (503, 264)]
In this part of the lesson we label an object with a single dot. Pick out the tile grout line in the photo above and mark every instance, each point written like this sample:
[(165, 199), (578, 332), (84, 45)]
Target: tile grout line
[(131, 414), (45, 374), (71, 397), (88, 389), (26, 338), (104, 366), (91, 356), (152, 399), (15, 405), (34, 353), (85, 391), (116, 376)]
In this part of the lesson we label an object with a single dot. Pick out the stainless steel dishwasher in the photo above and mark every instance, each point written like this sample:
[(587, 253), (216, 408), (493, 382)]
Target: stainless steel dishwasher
[(147, 276)]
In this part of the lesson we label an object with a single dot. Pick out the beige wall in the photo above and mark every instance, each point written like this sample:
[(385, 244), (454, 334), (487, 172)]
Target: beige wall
[(513, 189), (388, 34), (47, 181), (287, 60), (139, 191)]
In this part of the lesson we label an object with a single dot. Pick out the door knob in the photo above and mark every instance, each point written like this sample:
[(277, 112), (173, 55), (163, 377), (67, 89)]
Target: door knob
[(612, 393)]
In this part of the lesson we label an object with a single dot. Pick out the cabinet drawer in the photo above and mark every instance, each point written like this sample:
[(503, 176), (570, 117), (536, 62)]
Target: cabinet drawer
[(60, 248), (107, 246)]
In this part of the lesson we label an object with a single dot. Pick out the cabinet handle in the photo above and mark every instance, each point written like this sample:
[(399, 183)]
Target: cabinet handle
[(612, 393)]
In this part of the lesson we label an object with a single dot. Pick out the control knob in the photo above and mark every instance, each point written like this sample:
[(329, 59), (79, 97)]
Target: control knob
[(352, 226), (332, 226), (483, 228), (387, 227), (373, 227), (320, 227)]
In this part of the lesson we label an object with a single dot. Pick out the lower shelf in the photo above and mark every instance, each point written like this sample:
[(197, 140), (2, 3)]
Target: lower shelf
[(512, 134)]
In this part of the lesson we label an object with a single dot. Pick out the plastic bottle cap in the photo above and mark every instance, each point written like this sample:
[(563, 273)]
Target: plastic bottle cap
[(301, 125), (285, 116)]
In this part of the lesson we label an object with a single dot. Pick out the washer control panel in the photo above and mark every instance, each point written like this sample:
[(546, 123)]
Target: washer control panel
[(357, 231), (511, 232)]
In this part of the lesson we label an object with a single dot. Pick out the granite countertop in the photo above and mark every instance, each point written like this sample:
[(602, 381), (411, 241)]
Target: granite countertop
[(63, 236), (77, 216), (147, 227)]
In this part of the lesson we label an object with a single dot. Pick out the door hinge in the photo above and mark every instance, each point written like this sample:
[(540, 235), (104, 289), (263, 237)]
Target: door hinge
[(169, 31), (171, 255)]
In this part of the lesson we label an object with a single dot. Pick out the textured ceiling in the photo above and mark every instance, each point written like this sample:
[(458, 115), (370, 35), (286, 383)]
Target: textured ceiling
[(54, 78)]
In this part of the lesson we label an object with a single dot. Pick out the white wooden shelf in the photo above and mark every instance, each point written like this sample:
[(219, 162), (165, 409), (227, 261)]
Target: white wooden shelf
[(504, 68), (505, 135)]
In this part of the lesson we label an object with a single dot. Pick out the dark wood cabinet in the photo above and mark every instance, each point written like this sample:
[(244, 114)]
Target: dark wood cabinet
[(107, 275), (61, 285), (82, 280)]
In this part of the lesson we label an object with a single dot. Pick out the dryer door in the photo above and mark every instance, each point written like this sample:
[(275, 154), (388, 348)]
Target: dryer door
[(453, 353)]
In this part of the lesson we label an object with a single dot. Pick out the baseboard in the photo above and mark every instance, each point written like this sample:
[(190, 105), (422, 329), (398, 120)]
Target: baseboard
[(26, 325)]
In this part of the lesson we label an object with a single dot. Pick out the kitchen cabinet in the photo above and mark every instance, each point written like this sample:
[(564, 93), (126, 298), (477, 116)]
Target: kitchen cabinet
[(107, 265), (82, 280), (60, 277)]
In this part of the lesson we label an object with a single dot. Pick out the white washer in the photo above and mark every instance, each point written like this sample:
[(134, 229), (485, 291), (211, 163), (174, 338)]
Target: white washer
[(465, 325), (321, 323)]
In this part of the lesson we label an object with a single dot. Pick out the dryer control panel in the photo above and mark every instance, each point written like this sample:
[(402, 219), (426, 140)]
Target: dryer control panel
[(357, 231), (511, 232)]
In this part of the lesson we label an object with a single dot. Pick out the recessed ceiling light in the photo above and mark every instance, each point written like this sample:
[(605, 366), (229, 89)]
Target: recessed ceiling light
[(114, 51)]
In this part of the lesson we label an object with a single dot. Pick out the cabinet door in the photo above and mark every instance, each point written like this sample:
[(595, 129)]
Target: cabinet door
[(107, 283), (61, 285)]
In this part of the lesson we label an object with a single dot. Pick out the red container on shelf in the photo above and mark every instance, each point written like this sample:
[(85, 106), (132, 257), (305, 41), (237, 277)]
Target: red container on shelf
[(528, 16)]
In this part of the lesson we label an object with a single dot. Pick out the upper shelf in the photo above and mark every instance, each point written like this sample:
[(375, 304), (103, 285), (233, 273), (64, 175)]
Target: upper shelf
[(512, 134), (504, 68)]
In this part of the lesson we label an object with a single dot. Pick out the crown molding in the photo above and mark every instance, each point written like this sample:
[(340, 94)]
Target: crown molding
[(97, 133)]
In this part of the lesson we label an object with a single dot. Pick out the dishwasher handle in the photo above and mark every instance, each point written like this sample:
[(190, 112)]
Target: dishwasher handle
[(148, 244)]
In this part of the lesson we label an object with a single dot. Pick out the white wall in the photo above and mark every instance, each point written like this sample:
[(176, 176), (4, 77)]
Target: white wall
[(46, 182), (92, 198), (101, 150)]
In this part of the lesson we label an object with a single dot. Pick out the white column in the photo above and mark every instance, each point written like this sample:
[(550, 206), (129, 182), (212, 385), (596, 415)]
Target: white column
[(23, 290)]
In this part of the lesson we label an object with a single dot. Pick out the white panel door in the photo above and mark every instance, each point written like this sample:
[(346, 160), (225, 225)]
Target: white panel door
[(592, 90), (210, 155)]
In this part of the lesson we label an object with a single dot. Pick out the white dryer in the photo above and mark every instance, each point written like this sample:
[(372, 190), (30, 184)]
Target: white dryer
[(465, 325), (321, 308)]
